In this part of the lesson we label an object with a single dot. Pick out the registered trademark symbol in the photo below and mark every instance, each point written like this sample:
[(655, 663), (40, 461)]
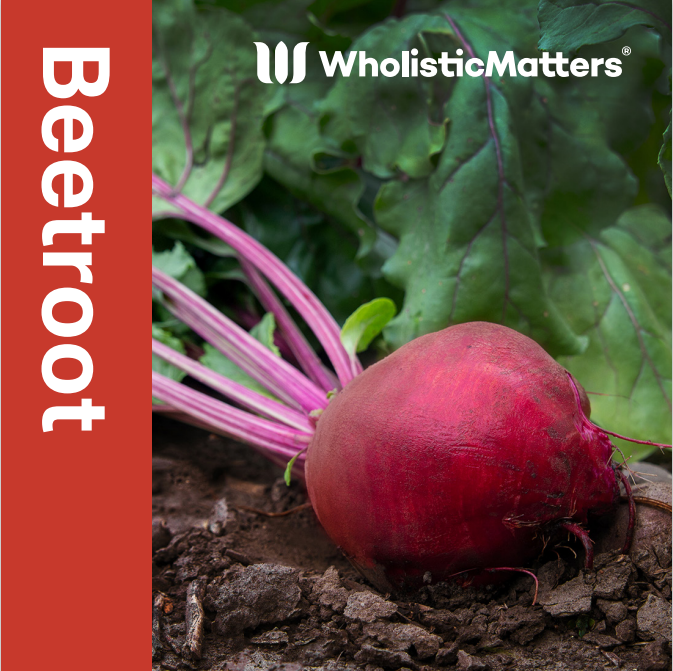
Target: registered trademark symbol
[(626, 50)]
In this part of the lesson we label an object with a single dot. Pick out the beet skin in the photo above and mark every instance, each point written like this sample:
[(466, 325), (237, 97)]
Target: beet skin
[(463, 450)]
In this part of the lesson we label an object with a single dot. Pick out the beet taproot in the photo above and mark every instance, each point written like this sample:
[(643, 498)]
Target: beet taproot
[(465, 449)]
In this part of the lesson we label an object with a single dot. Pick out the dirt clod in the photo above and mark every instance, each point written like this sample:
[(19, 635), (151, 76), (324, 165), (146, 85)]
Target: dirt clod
[(403, 637), (601, 640), (329, 592), (611, 581), (368, 607), (520, 624), (614, 611), (388, 659), (572, 598), (654, 619), (470, 663), (250, 596), (447, 655), (626, 631)]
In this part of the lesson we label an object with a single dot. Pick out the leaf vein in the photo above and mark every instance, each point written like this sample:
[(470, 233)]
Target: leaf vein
[(634, 321), (501, 171)]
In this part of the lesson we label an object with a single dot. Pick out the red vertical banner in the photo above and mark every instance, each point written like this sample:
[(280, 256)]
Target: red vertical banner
[(75, 394)]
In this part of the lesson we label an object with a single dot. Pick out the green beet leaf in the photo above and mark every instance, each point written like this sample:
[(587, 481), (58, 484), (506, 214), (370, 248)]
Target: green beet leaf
[(179, 264), (468, 234), (319, 251), (616, 290), (178, 229), (216, 361), (207, 103), (158, 364), (509, 200), (307, 164), (567, 25), (366, 323), (587, 184), (290, 159), (393, 123), (264, 331)]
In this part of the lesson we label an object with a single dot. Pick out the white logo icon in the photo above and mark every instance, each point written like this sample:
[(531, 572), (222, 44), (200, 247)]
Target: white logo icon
[(281, 63)]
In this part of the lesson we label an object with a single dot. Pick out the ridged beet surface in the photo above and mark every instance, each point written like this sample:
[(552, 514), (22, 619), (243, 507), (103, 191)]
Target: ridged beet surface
[(462, 450)]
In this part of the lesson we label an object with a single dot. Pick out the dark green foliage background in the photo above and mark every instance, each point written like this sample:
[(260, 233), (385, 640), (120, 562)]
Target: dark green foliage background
[(542, 204)]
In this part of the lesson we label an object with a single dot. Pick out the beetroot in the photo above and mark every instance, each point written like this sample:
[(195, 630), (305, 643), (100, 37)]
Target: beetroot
[(465, 449)]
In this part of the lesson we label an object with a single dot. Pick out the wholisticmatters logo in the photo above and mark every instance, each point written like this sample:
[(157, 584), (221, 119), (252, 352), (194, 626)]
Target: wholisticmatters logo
[(409, 65), (281, 68)]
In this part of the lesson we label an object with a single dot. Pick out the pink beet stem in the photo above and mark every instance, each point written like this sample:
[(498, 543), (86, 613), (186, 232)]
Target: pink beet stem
[(634, 440), (277, 442), (295, 339), (278, 376), (302, 298), (248, 398), (610, 433)]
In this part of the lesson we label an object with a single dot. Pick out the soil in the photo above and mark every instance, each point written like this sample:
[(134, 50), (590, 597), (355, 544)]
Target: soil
[(239, 590)]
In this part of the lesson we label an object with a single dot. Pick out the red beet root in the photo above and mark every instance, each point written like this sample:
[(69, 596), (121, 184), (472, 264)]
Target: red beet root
[(465, 449)]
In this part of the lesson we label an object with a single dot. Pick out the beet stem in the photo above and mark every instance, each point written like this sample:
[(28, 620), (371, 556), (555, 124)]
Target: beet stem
[(610, 433), (278, 376), (634, 440), (582, 534), (275, 441), (300, 296), (248, 398), (300, 347), (632, 511)]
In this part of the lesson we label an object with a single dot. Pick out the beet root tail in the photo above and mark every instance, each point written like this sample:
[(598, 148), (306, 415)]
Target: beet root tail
[(582, 534), (519, 570), (632, 511)]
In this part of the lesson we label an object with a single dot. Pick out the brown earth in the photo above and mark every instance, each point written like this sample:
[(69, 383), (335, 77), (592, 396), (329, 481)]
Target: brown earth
[(236, 589)]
